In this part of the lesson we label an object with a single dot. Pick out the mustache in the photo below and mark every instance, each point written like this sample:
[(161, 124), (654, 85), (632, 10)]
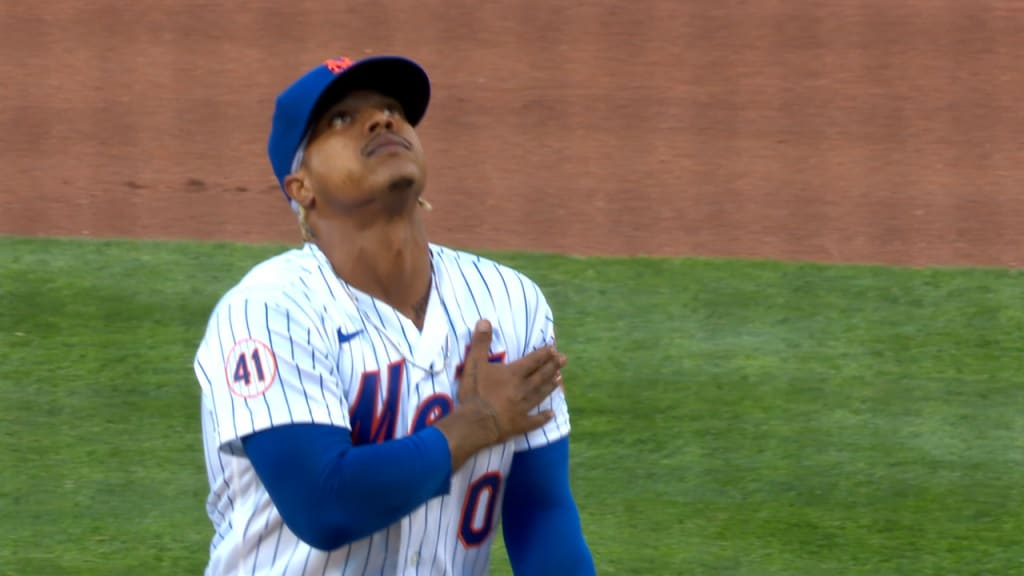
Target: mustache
[(383, 139)]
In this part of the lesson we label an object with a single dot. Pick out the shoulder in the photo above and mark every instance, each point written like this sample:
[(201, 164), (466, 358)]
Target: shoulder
[(491, 273), (287, 281), (507, 296)]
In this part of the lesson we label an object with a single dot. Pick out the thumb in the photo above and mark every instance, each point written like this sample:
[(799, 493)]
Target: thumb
[(481, 343)]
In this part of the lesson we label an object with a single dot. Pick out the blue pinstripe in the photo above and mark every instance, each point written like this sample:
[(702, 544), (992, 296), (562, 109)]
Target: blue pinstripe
[(470, 290), (231, 326), (298, 370), (259, 543), (484, 282), (327, 562), (457, 304), (326, 283), (305, 563), (221, 517), (504, 284), (312, 360), (270, 341), (220, 458), (277, 545), (248, 332), (529, 315), (295, 548)]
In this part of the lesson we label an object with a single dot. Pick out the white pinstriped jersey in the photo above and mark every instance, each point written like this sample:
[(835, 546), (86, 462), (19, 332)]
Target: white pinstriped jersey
[(292, 343)]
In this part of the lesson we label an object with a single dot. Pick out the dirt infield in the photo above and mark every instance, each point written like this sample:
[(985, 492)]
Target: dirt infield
[(835, 130)]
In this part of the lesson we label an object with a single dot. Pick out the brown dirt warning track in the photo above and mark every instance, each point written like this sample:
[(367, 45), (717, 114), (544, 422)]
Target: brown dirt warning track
[(888, 131)]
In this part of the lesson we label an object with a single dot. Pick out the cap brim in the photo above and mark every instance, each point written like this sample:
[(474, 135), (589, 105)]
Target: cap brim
[(392, 76)]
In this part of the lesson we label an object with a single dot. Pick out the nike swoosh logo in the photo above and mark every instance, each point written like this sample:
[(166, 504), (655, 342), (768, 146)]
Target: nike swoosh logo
[(343, 338)]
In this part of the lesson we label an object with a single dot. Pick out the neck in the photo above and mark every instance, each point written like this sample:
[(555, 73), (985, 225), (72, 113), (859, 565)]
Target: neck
[(389, 261)]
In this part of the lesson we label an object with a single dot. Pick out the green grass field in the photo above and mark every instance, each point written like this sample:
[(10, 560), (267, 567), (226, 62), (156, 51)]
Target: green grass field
[(730, 417)]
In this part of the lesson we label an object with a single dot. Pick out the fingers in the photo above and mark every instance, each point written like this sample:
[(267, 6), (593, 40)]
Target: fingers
[(544, 375), (541, 371), (533, 361), (534, 421), (542, 383), (548, 370), (480, 345)]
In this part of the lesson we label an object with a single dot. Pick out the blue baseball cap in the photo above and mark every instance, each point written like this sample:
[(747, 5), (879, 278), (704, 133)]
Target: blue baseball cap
[(298, 107)]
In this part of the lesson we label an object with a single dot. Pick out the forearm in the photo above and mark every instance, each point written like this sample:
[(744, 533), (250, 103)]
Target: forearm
[(330, 493), (387, 481), (548, 541), (542, 529)]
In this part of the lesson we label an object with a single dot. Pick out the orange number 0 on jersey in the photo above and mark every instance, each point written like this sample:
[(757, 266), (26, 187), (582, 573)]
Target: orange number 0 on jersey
[(477, 517)]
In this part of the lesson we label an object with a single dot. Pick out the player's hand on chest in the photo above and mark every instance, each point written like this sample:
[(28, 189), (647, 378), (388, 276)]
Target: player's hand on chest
[(391, 396)]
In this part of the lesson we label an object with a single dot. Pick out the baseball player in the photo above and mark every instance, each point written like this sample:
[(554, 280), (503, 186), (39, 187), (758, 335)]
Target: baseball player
[(372, 402)]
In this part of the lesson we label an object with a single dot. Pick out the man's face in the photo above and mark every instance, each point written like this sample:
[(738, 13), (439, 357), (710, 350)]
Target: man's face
[(361, 152)]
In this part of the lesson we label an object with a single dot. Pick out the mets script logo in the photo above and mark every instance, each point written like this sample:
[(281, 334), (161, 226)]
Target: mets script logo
[(338, 65)]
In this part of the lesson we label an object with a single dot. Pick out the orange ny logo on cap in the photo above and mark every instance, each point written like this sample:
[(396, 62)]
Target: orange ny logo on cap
[(338, 65)]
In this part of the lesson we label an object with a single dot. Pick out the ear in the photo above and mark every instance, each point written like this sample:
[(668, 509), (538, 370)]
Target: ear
[(298, 187)]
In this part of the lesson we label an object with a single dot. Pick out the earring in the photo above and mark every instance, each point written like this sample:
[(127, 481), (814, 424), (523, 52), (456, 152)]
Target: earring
[(424, 204)]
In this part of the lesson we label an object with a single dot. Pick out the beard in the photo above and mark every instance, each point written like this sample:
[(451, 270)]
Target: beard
[(401, 185), (401, 195)]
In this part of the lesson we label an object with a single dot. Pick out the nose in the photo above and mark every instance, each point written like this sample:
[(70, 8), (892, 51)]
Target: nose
[(381, 120)]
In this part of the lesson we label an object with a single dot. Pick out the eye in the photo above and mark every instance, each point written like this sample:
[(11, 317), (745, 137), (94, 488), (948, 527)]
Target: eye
[(339, 119), (393, 109)]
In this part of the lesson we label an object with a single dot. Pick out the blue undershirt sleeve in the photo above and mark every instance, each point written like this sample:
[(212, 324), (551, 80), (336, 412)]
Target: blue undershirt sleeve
[(330, 493), (541, 524)]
